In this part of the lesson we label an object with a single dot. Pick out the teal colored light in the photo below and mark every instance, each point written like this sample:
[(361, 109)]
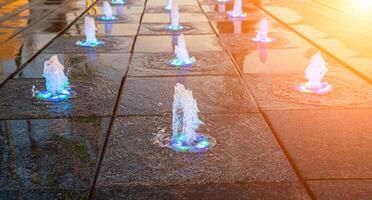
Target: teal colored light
[(202, 143), (104, 18), (118, 2), (181, 63), (174, 28), (48, 96), (90, 44)]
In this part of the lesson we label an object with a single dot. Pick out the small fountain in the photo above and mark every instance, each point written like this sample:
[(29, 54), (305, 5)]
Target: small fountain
[(182, 58), (90, 33), (314, 73), (262, 32), (107, 13), (56, 82), (117, 2), (175, 19), (185, 122), (169, 5), (222, 1), (237, 11)]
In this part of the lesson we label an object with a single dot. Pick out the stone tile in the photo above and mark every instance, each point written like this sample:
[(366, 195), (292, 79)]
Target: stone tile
[(67, 44), (92, 96), (246, 152), (164, 18), (49, 157), (3, 77), (156, 44), (284, 40), (208, 63), (164, 2), (214, 94), (121, 10), (101, 65), (276, 92), (342, 189), (197, 28), (336, 142), (182, 9), (124, 18), (105, 30), (129, 3), (237, 191), (273, 61), (223, 16), (248, 27)]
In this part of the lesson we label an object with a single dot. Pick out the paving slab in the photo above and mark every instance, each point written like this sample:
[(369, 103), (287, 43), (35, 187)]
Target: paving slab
[(121, 10), (182, 9), (327, 144), (342, 189), (245, 152), (49, 158), (164, 18), (157, 44), (124, 18), (241, 27), (214, 94), (196, 28), (277, 92), (283, 40), (164, 2), (155, 64), (108, 29), (263, 60), (67, 44)]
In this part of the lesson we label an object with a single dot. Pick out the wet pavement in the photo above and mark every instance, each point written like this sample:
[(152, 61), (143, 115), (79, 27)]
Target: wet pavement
[(272, 141)]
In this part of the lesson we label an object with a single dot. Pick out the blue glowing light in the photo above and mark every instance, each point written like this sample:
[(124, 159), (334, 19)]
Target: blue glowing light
[(201, 143), (105, 18), (117, 2), (182, 63), (174, 27), (89, 44), (263, 40), (307, 89), (48, 96)]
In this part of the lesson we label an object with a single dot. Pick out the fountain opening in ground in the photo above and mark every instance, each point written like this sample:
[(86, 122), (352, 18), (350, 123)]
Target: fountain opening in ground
[(56, 82), (174, 19), (118, 2), (169, 5), (263, 32), (237, 11), (90, 34), (107, 12), (185, 122), (314, 73), (182, 57)]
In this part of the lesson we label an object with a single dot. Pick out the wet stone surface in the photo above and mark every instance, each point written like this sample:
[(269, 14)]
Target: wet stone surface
[(214, 94), (101, 65), (67, 44), (108, 29), (189, 28), (277, 92), (245, 152), (155, 64), (182, 8), (50, 158), (129, 19), (92, 96)]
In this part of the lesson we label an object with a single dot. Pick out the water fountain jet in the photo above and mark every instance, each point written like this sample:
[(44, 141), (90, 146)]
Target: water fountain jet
[(185, 122), (117, 2), (107, 13), (169, 5), (182, 58), (262, 32), (175, 19), (56, 82), (237, 11), (314, 73), (90, 33)]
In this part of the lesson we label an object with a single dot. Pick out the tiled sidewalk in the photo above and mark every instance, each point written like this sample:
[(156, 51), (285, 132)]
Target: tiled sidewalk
[(272, 142)]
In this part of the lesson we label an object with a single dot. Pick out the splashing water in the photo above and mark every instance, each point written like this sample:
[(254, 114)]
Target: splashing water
[(107, 12), (118, 2), (90, 33), (262, 32), (237, 11), (175, 19), (185, 122), (56, 82), (169, 5), (221, 7), (237, 26), (182, 56), (315, 73)]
